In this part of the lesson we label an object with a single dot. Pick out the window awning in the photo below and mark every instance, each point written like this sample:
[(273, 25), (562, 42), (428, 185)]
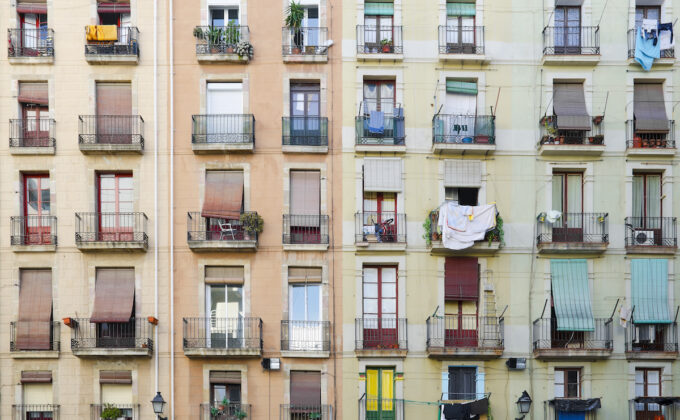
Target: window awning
[(33, 7), (650, 108), (461, 8), (113, 7), (36, 377), (223, 194), (568, 3), (571, 295), (573, 405), (305, 388), (114, 295), (382, 175), (225, 377), (649, 290), (461, 278), (121, 377), (378, 8), (458, 86), (223, 275), (649, 2), (304, 274), (35, 310), (33, 93), (569, 104), (462, 173)]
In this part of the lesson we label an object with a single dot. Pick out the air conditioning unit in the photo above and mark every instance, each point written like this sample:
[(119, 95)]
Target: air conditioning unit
[(643, 237)]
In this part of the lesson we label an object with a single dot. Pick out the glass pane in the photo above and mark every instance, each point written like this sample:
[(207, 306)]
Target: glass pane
[(125, 195), (653, 390), (639, 390), (572, 390), (217, 301), (389, 306), (297, 303), (107, 182), (313, 302), (559, 16), (572, 376), (370, 290), (107, 207), (653, 13), (389, 290), (653, 377), (639, 15), (639, 377), (370, 306), (234, 301), (389, 275), (559, 391), (370, 275), (559, 377), (126, 207), (125, 182), (219, 393)]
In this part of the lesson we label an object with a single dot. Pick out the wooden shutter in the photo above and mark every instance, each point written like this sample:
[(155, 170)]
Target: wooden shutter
[(225, 377), (649, 108), (305, 195), (120, 377), (569, 104), (222, 275), (382, 175), (114, 99), (33, 93), (462, 173), (304, 275), (36, 377), (223, 194), (35, 310), (305, 388), (461, 278), (114, 295)]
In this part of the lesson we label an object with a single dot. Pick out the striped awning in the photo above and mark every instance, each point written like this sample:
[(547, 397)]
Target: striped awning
[(571, 295), (457, 86), (460, 9), (376, 8), (649, 290)]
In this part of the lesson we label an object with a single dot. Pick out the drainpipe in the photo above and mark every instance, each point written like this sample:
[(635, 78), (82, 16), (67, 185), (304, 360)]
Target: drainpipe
[(155, 185), (171, 26)]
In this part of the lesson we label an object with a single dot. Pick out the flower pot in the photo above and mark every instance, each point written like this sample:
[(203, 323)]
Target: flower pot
[(310, 50), (386, 48), (214, 50), (482, 139), (637, 141), (230, 50), (246, 236), (296, 50)]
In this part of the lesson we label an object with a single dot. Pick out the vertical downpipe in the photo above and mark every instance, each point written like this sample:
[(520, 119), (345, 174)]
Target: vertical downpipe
[(155, 185), (171, 26)]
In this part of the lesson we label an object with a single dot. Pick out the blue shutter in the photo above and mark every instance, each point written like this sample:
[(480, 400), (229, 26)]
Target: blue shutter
[(649, 290), (571, 295)]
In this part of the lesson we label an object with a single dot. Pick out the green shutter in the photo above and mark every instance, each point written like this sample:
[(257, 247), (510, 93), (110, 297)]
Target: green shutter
[(571, 295), (649, 290), (460, 9), (455, 86), (378, 9)]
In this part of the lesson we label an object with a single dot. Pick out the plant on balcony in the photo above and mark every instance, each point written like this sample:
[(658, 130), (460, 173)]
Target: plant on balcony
[(314, 416), (253, 224), (111, 412), (386, 45), (244, 49), (232, 35), (215, 36), (240, 414), (199, 33), (431, 228), (295, 13), (496, 234)]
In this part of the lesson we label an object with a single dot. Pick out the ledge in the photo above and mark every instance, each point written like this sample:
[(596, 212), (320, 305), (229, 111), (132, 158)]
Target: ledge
[(381, 353), (644, 152), (463, 58), (380, 246), (35, 354), (31, 60), (221, 58), (380, 148), (572, 248), (665, 250), (651, 355), (222, 352), (304, 58), (475, 353), (463, 148), (564, 354), (571, 59), (112, 352), (570, 149), (50, 150), (304, 149), (199, 246), (305, 247), (104, 246), (207, 148), (479, 248), (380, 57), (112, 59), (657, 62), (306, 354), (100, 148), (34, 248)]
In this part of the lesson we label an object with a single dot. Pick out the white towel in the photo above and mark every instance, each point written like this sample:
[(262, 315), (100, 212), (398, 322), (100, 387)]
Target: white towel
[(552, 216), (461, 226), (649, 25)]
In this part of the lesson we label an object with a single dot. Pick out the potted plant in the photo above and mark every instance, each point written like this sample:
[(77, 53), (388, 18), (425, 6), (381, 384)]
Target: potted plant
[(244, 49), (232, 36), (314, 416), (215, 36), (637, 141), (111, 412), (295, 13), (198, 32), (252, 224), (386, 45), (240, 414), (597, 139)]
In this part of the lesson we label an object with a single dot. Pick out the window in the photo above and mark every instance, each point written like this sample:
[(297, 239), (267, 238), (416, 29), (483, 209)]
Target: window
[(115, 202), (34, 111), (462, 383), (36, 209), (114, 113), (567, 383), (305, 125), (380, 306), (34, 324), (379, 96), (380, 393), (305, 393), (36, 388), (226, 385), (305, 302), (462, 196), (567, 30), (380, 217), (114, 308), (224, 306), (567, 198), (33, 24), (646, 12), (460, 28), (647, 384), (646, 196), (116, 389), (217, 16), (377, 31), (114, 14)]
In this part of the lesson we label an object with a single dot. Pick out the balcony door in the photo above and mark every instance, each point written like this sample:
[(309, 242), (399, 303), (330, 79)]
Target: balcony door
[(461, 107), (646, 12), (33, 102), (378, 33), (34, 33), (305, 330), (567, 198), (462, 383), (380, 216), (224, 307), (567, 30), (305, 202), (221, 17), (311, 24), (380, 394), (36, 207), (304, 112), (116, 206), (647, 212), (460, 34), (224, 106), (379, 95), (115, 122), (380, 316), (647, 384)]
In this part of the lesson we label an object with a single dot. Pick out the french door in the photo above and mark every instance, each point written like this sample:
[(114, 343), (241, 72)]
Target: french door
[(34, 33), (380, 329), (647, 212), (37, 226), (116, 205), (460, 34), (567, 197), (304, 111), (224, 307), (380, 394), (461, 324), (36, 125), (380, 215), (378, 29), (567, 30), (305, 329)]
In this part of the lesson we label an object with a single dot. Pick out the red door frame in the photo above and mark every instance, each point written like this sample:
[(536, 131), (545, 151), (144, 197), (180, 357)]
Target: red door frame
[(41, 233), (381, 336), (390, 235), (35, 137), (38, 22), (646, 413), (117, 232)]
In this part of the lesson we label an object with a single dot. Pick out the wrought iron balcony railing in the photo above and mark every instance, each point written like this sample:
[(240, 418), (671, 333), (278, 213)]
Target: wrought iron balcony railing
[(651, 232), (231, 411), (219, 39), (465, 331), (112, 227), (223, 129), (35, 411), (381, 334), (375, 227), (201, 228), (373, 39), (34, 230), (571, 40), (243, 333), (548, 337), (31, 132), (55, 343), (30, 42), (461, 40), (305, 41), (305, 131), (668, 53), (574, 228), (636, 139), (130, 411), (126, 43), (134, 334), (463, 129), (552, 135), (305, 335), (305, 229), (111, 130), (306, 412), (381, 408), (642, 338)]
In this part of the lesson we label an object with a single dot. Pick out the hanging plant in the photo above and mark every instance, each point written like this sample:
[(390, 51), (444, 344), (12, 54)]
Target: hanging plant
[(244, 49), (111, 412)]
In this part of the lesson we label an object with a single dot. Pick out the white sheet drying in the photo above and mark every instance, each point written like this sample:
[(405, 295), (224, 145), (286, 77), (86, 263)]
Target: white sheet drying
[(461, 226)]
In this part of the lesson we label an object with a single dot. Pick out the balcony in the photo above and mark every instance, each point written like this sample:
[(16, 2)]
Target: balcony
[(559, 142), (385, 231), (488, 246), (667, 56), (305, 45), (379, 43), (651, 235), (381, 337), (571, 45), (130, 411), (652, 341), (34, 233), (222, 337), (573, 233), (305, 134), (461, 43), (389, 137), (32, 136), (222, 133), (30, 46), (463, 134), (110, 134), (231, 411), (648, 143), (653, 408), (381, 408), (115, 339), (209, 234), (35, 411), (51, 353), (100, 48), (112, 231), (465, 336), (305, 338), (550, 343), (306, 412), (223, 44), (305, 232)]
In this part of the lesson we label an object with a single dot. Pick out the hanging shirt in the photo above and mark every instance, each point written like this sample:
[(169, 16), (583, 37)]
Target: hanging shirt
[(646, 50), (666, 41)]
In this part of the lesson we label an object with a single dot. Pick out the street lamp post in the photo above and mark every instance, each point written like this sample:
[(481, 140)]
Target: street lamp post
[(523, 404), (158, 403)]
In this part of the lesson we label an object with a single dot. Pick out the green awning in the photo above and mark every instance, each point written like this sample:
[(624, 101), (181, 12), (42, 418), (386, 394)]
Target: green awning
[(378, 8), (571, 295), (460, 9), (455, 86), (649, 290)]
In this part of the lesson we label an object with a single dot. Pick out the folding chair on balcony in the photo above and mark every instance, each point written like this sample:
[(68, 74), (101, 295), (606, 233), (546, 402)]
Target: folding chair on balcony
[(225, 228)]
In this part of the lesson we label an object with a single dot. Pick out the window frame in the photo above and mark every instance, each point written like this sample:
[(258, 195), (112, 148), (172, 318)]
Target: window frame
[(565, 384), (644, 200), (645, 381), (378, 95), (451, 385)]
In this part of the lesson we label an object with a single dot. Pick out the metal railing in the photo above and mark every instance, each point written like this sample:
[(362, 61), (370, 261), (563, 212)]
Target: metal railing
[(381, 408), (651, 231), (651, 408), (392, 133), (373, 226), (35, 411), (572, 40), (435, 234), (465, 396), (219, 39), (645, 139), (231, 411), (381, 334), (305, 41), (130, 411), (652, 337), (126, 43), (551, 134), (574, 228), (373, 39), (222, 333), (548, 337), (111, 227), (306, 412), (111, 129), (305, 229), (31, 132), (465, 129), (223, 129), (305, 131), (34, 230), (465, 331), (201, 228), (134, 334), (305, 335), (30, 42), (668, 53), (461, 39), (55, 343)]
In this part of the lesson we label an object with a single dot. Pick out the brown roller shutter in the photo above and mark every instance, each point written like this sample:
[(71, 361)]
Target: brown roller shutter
[(569, 104), (568, 2), (461, 278), (223, 194), (35, 310), (223, 275), (35, 6), (305, 388), (107, 7), (33, 93), (36, 377), (304, 275), (114, 99), (305, 196), (120, 377), (650, 108), (114, 295), (225, 377)]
